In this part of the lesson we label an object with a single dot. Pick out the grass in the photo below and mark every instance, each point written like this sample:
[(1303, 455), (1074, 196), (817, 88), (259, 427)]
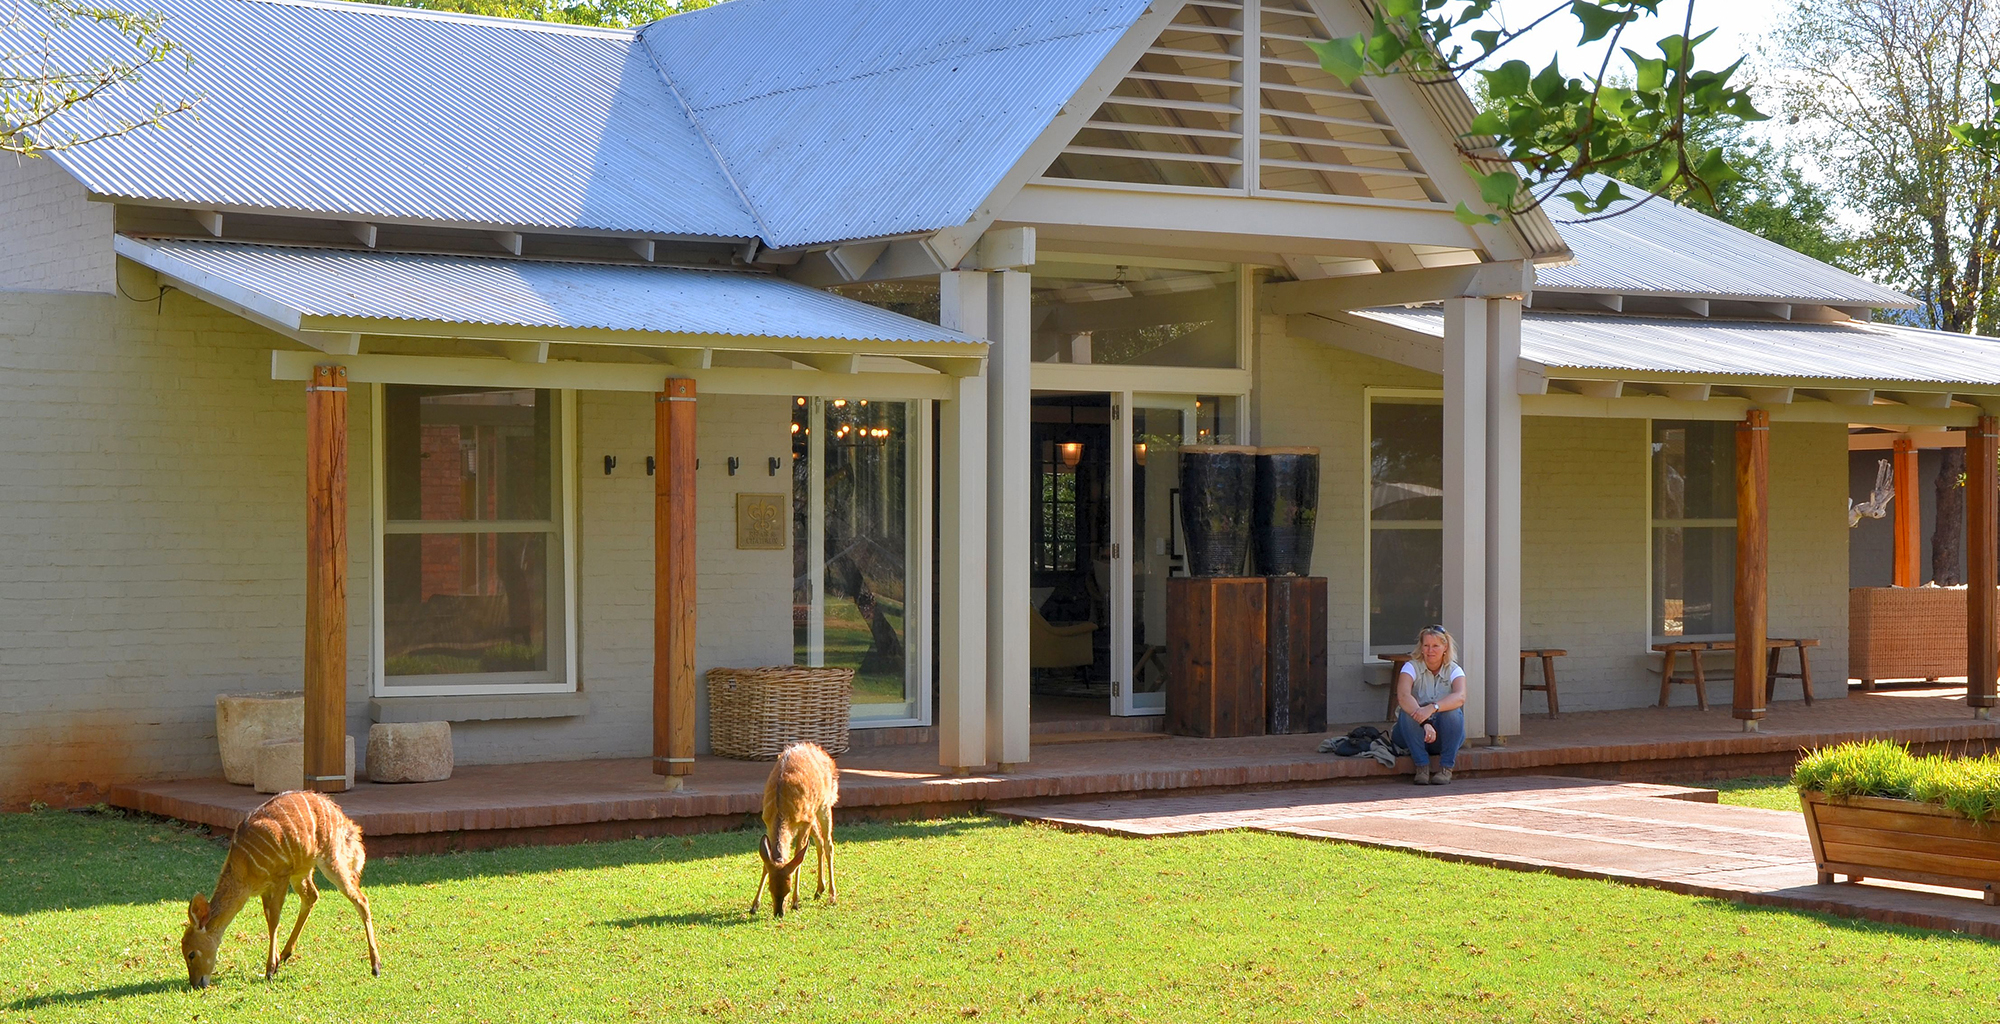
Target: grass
[(1968, 785), (965, 919), (1774, 792)]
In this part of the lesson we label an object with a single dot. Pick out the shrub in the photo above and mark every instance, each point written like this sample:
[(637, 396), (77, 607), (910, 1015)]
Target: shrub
[(1970, 785)]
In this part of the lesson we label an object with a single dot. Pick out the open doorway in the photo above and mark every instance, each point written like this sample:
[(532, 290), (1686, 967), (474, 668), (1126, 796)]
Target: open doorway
[(1069, 634)]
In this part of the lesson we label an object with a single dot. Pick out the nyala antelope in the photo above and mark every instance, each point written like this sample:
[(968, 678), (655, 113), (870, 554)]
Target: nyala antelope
[(276, 848), (798, 808)]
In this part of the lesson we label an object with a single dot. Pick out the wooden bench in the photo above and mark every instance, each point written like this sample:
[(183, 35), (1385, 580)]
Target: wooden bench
[(1547, 685), (1694, 649)]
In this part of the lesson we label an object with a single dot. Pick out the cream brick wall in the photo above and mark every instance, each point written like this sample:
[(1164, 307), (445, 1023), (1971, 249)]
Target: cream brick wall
[(152, 487), (52, 237), (1585, 543)]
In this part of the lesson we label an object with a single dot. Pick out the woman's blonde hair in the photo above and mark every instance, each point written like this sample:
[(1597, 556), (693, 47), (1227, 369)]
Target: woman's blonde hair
[(1450, 644)]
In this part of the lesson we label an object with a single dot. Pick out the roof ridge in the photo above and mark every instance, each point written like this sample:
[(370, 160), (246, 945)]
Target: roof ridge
[(694, 121), (421, 14)]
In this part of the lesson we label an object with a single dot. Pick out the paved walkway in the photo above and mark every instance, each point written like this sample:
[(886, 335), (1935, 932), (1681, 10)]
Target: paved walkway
[(1666, 837)]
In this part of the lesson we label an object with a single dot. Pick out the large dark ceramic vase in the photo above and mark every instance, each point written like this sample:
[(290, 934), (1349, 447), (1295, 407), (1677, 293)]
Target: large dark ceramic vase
[(1218, 482), (1285, 511)]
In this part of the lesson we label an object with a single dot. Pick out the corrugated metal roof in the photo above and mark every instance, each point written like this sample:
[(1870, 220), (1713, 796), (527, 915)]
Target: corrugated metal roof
[(1744, 348), (531, 293), (1658, 248), (841, 121), (342, 108)]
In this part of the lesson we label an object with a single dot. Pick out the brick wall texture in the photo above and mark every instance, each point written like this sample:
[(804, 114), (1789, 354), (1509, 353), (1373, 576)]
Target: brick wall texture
[(1584, 538), (151, 547), (52, 237)]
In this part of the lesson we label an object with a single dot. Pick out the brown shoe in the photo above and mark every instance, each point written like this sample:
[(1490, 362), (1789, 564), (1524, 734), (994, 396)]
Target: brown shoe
[(1441, 776), (1422, 777)]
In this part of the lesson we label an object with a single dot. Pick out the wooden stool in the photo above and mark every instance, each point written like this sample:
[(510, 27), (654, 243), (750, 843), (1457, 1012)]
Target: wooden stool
[(1694, 651), (1803, 675), (1548, 655)]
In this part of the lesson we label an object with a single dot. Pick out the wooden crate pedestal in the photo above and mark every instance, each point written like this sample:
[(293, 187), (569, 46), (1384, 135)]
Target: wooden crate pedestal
[(1215, 650), (1865, 836), (1295, 654)]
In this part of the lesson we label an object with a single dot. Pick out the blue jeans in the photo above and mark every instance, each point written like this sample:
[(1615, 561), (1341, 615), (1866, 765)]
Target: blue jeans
[(1451, 736)]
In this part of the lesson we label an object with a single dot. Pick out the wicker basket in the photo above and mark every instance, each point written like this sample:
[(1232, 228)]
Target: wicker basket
[(754, 713)]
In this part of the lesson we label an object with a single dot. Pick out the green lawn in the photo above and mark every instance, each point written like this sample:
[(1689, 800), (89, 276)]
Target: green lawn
[(948, 920), (1772, 791)]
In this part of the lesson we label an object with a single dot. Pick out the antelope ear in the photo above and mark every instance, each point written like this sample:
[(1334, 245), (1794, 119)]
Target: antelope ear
[(797, 857), (764, 851), (198, 910)]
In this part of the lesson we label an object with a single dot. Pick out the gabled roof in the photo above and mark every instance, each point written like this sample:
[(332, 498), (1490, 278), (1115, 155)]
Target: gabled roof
[(1658, 248), (842, 121), (347, 108), (335, 290)]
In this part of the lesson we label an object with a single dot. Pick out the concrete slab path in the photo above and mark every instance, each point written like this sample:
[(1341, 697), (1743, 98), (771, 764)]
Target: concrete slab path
[(1668, 837)]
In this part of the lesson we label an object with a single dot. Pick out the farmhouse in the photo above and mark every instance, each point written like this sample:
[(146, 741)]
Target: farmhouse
[(518, 374)]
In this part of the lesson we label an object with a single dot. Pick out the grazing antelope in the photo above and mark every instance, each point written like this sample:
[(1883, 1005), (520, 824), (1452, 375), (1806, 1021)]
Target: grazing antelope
[(276, 848), (798, 807)]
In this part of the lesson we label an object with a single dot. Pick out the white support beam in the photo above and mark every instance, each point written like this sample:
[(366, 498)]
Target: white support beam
[(827, 362), (1465, 498), (1686, 392), (1781, 310), (1323, 226), (1841, 396), (852, 261), (1595, 388), (1002, 249), (1010, 470), (480, 371), (644, 248), (210, 221), (1511, 278), (1759, 395), (962, 582), (508, 240), (1402, 348), (1920, 399), (905, 258), (956, 366), (685, 358), (363, 232), (1699, 307), (1502, 672), (519, 351)]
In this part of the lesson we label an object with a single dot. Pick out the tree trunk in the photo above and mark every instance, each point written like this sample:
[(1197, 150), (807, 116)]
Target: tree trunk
[(1948, 534)]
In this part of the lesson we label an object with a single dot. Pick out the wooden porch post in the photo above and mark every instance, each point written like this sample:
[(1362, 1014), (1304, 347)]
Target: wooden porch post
[(1753, 508), (1982, 527), (673, 580), (1907, 514), (326, 581)]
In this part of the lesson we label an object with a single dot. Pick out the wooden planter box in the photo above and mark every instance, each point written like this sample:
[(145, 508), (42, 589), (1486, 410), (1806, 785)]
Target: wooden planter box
[(1864, 836)]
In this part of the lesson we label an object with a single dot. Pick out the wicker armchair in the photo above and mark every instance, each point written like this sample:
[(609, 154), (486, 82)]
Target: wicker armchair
[(1064, 646)]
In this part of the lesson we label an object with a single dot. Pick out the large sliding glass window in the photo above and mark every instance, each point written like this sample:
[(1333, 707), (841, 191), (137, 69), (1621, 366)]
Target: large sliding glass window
[(472, 555), (853, 548), (1405, 519), (1694, 529)]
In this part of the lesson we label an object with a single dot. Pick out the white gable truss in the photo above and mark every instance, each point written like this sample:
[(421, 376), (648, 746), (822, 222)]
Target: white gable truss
[(1210, 132)]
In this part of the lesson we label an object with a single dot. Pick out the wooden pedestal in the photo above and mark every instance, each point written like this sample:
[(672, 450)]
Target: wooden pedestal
[(1215, 647), (1295, 671)]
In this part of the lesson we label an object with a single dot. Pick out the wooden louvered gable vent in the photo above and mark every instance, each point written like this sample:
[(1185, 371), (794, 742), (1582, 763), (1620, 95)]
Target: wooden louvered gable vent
[(1178, 121)]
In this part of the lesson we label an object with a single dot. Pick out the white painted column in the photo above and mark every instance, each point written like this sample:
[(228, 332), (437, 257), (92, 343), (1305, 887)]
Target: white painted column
[(1009, 470), (1465, 498), (816, 530), (1503, 519), (962, 539)]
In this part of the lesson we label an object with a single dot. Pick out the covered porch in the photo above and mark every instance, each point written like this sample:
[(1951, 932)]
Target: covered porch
[(573, 801)]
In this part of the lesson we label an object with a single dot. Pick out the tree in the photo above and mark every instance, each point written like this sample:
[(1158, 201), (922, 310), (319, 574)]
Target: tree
[(1543, 132), (613, 13), (58, 55), (1882, 88)]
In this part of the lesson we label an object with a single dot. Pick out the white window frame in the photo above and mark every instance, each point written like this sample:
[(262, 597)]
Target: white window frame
[(478, 684), (1369, 648), (1653, 525)]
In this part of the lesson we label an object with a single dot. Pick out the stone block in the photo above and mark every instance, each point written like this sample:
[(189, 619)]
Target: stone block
[(409, 752), (281, 766), (245, 722)]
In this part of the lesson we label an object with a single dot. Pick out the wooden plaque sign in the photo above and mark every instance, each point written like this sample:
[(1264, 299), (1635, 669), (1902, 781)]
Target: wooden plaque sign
[(760, 521)]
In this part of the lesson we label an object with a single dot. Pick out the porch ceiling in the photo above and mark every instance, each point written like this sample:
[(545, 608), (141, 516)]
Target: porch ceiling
[(330, 298)]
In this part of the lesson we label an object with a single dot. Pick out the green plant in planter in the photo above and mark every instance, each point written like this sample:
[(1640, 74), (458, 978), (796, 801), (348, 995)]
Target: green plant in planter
[(1968, 785)]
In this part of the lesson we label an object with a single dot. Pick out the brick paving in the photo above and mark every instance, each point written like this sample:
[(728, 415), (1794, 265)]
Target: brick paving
[(1666, 837), (568, 801)]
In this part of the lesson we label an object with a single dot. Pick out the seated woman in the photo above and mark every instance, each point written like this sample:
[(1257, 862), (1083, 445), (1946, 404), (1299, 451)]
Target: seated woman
[(1430, 705)]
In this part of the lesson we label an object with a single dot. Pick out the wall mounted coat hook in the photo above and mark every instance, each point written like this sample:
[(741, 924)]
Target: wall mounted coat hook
[(734, 462), (774, 465), (610, 463), (649, 465)]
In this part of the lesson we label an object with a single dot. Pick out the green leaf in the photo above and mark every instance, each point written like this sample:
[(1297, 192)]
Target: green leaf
[(1597, 22), (1467, 217), (1507, 81), (1344, 57), (1993, 92), (1649, 74), (1499, 188)]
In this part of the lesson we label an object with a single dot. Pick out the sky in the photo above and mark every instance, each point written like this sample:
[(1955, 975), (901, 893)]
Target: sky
[(1739, 24)]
